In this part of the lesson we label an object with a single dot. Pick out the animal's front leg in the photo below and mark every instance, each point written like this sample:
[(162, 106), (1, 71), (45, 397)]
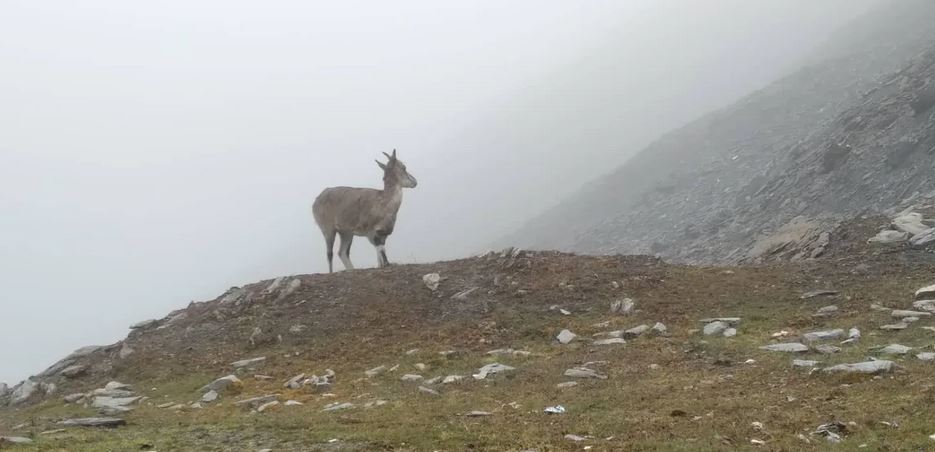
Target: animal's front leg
[(379, 242)]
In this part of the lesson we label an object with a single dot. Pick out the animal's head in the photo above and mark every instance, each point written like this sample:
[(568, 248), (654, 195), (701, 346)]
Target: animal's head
[(394, 171)]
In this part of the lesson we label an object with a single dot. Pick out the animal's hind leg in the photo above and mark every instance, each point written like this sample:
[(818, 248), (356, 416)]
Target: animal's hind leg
[(344, 252), (329, 245)]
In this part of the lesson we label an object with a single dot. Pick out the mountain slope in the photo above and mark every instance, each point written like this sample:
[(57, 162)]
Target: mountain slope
[(707, 191), (388, 341)]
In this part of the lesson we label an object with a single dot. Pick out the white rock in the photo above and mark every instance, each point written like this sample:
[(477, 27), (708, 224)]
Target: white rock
[(889, 236), (209, 397), (93, 422), (895, 326), (924, 305), (491, 369), (730, 332), (926, 293), (567, 384), (575, 438), (660, 329), (14, 440), (911, 223), (714, 328), (611, 341), (927, 356), (255, 402), (636, 331), (895, 349), (222, 384), (411, 377), (827, 311), (898, 313), (804, 363), (248, 363), (338, 406), (295, 382), (432, 280), (25, 391), (869, 367), (375, 371), (854, 333), (923, 238), (293, 403), (584, 372), (566, 336), (428, 391), (267, 406), (452, 379), (730, 321), (823, 335), (826, 349), (622, 306), (792, 347), (112, 405), (74, 398)]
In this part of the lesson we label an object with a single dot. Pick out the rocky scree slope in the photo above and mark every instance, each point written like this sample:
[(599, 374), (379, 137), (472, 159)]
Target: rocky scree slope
[(848, 135)]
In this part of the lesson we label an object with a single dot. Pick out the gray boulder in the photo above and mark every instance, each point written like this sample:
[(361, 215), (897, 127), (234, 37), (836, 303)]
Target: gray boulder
[(926, 293), (611, 341), (144, 324), (889, 236), (636, 331), (491, 369), (584, 372), (868, 367), (248, 363), (801, 363), (899, 313), (792, 347), (826, 311), (566, 336), (25, 391), (715, 327), (923, 238), (623, 306), (255, 402), (93, 422), (14, 440), (74, 371), (111, 405), (895, 349), (222, 384), (817, 336), (730, 321)]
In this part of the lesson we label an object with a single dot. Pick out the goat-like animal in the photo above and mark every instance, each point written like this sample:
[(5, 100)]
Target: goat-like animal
[(364, 212)]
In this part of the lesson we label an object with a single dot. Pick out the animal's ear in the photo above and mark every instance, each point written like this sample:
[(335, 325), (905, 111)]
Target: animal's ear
[(382, 166)]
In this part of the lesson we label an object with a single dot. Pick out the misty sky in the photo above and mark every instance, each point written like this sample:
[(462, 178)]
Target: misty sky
[(154, 153)]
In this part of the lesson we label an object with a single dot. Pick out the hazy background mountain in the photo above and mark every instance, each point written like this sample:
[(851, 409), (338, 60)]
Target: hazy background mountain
[(714, 189), (155, 153)]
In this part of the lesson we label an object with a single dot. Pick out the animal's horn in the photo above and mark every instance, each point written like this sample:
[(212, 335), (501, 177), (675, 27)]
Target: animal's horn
[(394, 153), (388, 156)]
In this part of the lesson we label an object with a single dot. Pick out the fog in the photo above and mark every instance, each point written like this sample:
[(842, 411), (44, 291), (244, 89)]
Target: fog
[(157, 153)]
